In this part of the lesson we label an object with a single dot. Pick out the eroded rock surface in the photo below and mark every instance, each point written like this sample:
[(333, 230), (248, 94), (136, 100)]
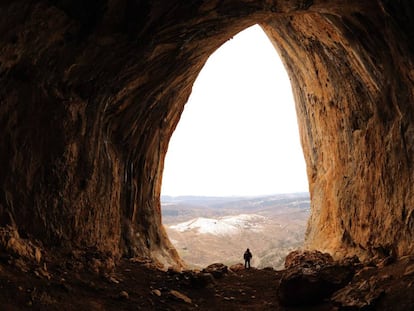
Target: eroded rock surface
[(353, 90), (311, 277), (92, 91)]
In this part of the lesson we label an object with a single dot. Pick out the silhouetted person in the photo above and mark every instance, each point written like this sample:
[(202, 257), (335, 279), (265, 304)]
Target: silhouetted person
[(247, 256)]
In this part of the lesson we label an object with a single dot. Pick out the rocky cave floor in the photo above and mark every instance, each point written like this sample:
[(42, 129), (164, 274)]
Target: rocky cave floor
[(88, 284)]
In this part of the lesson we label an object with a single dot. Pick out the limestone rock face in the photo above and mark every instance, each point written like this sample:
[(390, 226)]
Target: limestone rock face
[(91, 92), (352, 79)]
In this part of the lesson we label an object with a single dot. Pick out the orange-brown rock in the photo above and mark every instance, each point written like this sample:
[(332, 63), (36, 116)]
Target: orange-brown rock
[(91, 92)]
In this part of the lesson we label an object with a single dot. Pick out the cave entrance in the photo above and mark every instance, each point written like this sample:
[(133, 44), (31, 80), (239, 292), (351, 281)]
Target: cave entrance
[(234, 170)]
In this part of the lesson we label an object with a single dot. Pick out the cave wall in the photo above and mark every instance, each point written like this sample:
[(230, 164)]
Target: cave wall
[(92, 91), (352, 80)]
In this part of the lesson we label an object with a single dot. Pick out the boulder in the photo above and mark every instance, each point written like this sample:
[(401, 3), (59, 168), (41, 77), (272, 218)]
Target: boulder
[(301, 286), (218, 270), (237, 267), (307, 259)]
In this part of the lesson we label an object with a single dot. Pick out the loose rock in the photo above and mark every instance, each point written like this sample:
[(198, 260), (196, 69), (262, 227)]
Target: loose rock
[(123, 295), (180, 296), (156, 292)]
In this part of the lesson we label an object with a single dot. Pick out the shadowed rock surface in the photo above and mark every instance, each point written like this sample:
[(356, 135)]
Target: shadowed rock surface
[(92, 91), (133, 284), (311, 277)]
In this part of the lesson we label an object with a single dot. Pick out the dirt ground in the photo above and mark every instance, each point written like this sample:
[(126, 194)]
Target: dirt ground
[(138, 285)]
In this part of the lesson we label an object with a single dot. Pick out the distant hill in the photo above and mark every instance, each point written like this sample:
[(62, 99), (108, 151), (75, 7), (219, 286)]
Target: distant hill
[(218, 229)]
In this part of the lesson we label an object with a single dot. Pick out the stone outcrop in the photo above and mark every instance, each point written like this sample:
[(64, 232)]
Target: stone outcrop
[(91, 92)]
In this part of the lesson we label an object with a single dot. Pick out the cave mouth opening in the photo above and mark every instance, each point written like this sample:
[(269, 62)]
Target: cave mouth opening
[(111, 95), (234, 170)]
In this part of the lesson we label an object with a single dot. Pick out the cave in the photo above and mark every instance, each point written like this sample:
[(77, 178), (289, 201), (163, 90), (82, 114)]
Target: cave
[(92, 91)]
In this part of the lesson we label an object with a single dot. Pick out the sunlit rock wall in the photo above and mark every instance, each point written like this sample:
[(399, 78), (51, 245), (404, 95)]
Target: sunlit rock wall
[(91, 92), (352, 75)]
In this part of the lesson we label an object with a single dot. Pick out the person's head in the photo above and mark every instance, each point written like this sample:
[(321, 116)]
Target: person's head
[(248, 250)]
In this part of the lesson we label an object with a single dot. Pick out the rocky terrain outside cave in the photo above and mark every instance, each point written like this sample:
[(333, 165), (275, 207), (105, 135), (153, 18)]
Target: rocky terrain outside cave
[(205, 230)]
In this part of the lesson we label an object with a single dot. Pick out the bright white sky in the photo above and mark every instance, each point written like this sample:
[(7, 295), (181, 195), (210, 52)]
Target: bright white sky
[(238, 134)]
